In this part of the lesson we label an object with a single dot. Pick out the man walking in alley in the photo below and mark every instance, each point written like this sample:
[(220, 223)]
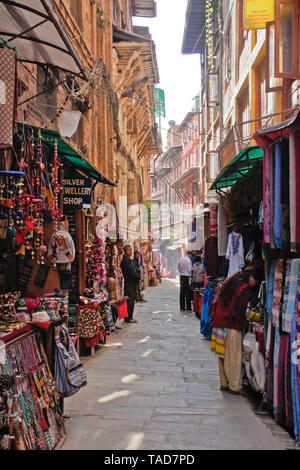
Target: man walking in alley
[(185, 268), (131, 278)]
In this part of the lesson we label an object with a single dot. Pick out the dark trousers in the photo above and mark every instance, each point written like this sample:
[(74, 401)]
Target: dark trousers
[(130, 291), (185, 293), (115, 313)]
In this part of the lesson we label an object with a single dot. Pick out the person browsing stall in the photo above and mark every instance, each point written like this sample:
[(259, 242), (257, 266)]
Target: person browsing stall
[(228, 320), (131, 278)]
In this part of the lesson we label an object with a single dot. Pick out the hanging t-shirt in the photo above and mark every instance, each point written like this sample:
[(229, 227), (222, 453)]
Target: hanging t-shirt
[(235, 253)]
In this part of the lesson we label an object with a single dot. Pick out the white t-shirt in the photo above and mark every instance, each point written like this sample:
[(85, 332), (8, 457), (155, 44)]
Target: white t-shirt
[(185, 266)]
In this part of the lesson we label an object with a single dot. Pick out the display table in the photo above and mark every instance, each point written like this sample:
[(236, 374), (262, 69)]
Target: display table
[(26, 363)]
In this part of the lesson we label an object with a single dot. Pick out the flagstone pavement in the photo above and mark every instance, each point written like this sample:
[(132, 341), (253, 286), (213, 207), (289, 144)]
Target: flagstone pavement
[(155, 386)]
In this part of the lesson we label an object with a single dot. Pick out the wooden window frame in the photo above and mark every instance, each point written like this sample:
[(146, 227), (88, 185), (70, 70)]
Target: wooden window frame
[(270, 89), (208, 164), (295, 64)]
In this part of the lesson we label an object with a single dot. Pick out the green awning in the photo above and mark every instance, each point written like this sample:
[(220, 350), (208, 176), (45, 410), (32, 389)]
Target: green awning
[(65, 152), (238, 168)]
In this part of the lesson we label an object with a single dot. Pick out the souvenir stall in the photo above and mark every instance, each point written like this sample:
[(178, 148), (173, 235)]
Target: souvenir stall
[(236, 227), (36, 252), (280, 145)]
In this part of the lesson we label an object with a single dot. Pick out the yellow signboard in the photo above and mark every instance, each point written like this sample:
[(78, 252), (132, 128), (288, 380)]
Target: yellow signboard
[(257, 13)]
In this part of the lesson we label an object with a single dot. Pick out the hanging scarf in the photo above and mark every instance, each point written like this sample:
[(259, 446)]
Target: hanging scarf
[(275, 365), (277, 197), (278, 278), (268, 353), (290, 296), (272, 182), (295, 384), (285, 196), (297, 211), (298, 330), (292, 161), (285, 320), (267, 207), (270, 290)]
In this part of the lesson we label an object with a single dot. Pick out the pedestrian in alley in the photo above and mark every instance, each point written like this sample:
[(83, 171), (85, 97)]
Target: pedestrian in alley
[(185, 268), (131, 278), (228, 321), (138, 265), (113, 301)]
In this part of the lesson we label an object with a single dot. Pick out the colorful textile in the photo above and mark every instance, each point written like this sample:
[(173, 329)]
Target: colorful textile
[(218, 340), (296, 246), (270, 290), (298, 329), (290, 297), (292, 185), (272, 189), (285, 320), (282, 413), (285, 197), (213, 217), (278, 285), (222, 230), (205, 318), (235, 253), (295, 382), (267, 206), (90, 321), (275, 372), (277, 197)]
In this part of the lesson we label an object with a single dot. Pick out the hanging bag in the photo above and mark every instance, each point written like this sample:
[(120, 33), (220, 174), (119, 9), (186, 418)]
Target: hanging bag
[(69, 373), (254, 363)]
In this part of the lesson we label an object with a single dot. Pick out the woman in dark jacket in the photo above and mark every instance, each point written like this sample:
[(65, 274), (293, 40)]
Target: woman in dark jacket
[(228, 323)]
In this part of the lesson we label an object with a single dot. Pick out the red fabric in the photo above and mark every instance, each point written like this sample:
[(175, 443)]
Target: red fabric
[(260, 339), (122, 311), (92, 342), (200, 300), (232, 315), (15, 334), (196, 303), (44, 325)]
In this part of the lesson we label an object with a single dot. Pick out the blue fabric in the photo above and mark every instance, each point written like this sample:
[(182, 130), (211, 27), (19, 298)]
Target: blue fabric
[(290, 297), (295, 391), (205, 318), (277, 197), (270, 291)]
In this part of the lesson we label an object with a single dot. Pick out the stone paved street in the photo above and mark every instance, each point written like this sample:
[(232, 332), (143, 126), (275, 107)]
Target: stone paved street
[(155, 386)]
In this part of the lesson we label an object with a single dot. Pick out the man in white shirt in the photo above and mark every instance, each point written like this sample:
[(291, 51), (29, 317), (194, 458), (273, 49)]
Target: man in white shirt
[(185, 268)]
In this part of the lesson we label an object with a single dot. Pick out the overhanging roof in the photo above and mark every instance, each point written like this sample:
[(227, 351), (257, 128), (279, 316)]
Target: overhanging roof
[(267, 135), (34, 29), (194, 36), (144, 8), (238, 168)]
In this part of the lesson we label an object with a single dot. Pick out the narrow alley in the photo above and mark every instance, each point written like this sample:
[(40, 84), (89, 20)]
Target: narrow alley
[(155, 385)]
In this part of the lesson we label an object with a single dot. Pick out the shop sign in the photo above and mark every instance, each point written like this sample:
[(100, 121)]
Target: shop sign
[(77, 192), (258, 13)]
